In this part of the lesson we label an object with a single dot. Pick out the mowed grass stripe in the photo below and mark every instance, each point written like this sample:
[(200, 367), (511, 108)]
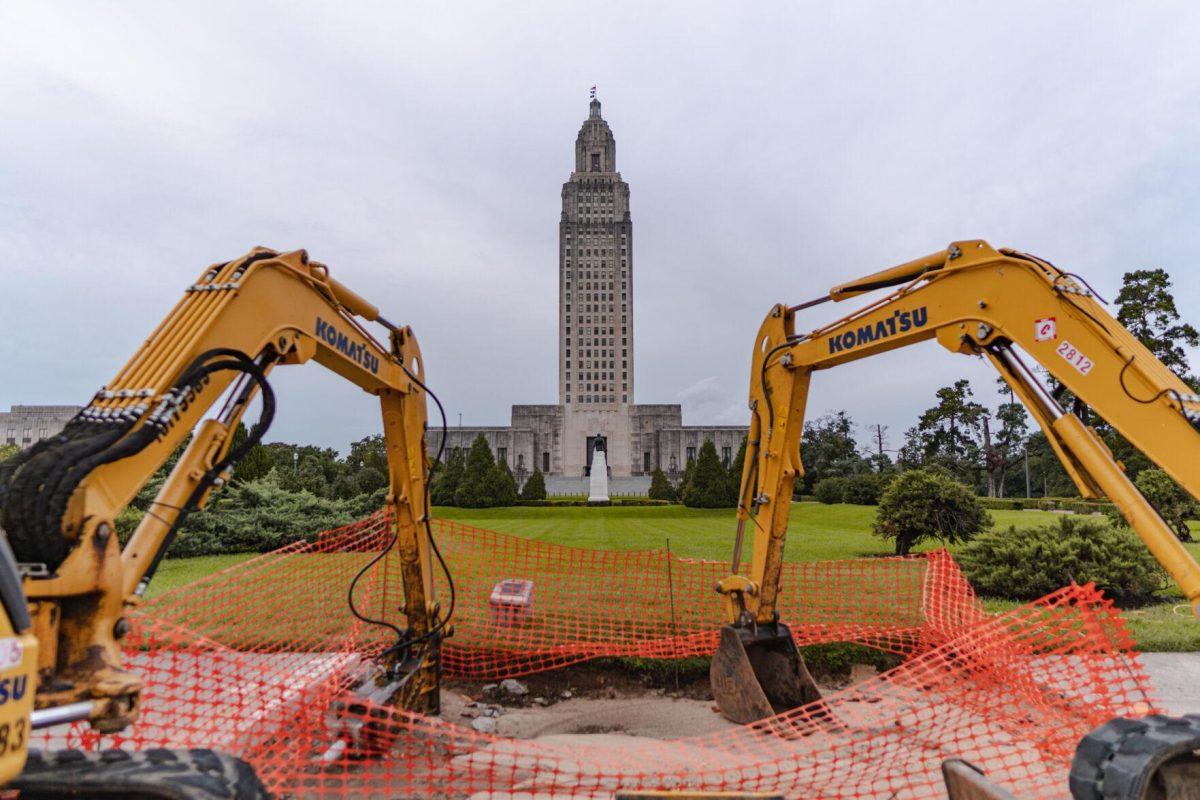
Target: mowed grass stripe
[(817, 532)]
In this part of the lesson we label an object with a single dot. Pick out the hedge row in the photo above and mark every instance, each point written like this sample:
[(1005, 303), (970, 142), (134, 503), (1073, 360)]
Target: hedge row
[(620, 501), (1077, 505)]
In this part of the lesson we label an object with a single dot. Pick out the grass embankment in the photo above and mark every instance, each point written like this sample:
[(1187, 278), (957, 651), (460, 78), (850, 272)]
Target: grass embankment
[(816, 533)]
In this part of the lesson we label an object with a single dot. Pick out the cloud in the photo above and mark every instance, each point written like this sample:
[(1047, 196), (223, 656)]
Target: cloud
[(419, 150), (707, 401)]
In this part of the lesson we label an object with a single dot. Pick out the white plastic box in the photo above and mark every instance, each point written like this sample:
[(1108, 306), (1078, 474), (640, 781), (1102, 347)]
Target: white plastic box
[(511, 602)]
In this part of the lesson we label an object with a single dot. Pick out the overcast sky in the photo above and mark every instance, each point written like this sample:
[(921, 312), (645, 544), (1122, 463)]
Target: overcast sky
[(771, 150)]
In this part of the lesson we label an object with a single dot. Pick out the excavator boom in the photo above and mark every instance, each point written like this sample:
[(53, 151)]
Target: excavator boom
[(974, 300)]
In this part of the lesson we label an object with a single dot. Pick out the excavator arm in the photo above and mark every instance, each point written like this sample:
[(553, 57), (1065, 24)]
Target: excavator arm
[(59, 500), (973, 300)]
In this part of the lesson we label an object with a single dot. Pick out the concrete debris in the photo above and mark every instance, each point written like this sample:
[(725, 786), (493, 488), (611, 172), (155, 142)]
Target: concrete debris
[(514, 687), (484, 724)]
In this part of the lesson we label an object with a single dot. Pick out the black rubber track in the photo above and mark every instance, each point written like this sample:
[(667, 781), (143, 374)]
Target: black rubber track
[(159, 774), (1118, 760)]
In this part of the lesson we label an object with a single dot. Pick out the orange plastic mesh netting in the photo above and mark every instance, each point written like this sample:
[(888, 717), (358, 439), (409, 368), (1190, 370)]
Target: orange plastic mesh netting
[(255, 660)]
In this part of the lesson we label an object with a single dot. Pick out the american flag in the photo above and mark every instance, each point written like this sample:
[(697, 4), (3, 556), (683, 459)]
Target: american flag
[(593, 92)]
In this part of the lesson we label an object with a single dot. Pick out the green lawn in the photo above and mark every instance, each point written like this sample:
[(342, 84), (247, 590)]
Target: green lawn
[(176, 572), (817, 532)]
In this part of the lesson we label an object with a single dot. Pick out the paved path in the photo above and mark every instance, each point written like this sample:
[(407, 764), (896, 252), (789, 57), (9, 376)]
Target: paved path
[(1177, 678)]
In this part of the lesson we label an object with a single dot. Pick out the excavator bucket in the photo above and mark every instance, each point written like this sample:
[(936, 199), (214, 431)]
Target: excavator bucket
[(758, 672)]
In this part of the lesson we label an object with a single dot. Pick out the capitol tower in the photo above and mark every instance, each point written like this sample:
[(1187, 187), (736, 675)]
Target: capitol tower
[(595, 407), (595, 275)]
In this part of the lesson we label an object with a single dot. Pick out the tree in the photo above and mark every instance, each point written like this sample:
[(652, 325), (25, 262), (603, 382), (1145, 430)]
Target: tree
[(449, 476), (709, 487), (1006, 445), (830, 490), (474, 490), (7, 451), (949, 434), (864, 488), (922, 504), (321, 465), (1047, 475), (371, 480), (501, 485), (368, 453), (535, 487), (367, 463), (828, 449), (1146, 307), (1174, 504), (685, 479), (734, 478), (879, 438), (308, 476), (256, 463), (879, 461), (346, 487), (660, 487)]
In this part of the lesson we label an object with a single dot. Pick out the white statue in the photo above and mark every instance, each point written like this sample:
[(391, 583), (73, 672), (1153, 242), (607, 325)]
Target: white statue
[(598, 487)]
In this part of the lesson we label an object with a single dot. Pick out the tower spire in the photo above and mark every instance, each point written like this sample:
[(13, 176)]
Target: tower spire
[(595, 104)]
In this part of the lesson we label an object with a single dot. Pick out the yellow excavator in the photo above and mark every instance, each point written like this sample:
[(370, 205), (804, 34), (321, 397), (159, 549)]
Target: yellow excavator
[(68, 587), (1006, 306)]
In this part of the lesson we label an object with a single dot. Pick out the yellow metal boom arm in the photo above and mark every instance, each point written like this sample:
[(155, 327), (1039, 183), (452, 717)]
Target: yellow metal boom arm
[(58, 500), (974, 300)]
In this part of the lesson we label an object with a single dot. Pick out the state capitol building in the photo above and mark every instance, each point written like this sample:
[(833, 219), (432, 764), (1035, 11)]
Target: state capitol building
[(596, 348)]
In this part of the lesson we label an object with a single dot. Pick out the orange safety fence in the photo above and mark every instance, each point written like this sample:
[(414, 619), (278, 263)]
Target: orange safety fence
[(256, 660)]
